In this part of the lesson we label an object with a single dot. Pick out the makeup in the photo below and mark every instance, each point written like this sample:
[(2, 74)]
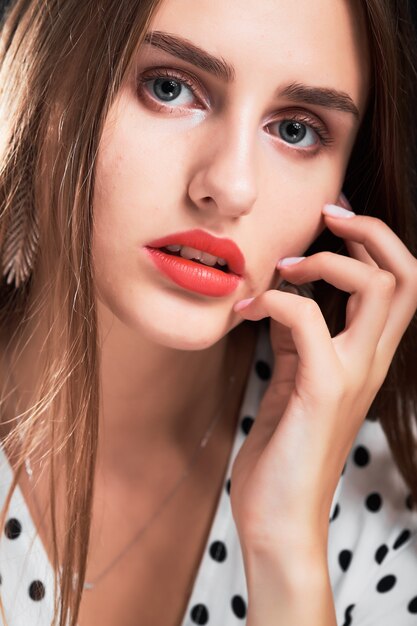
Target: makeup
[(199, 261), (193, 275)]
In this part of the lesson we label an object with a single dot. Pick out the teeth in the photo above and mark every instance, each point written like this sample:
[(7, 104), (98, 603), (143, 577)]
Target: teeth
[(198, 255), (192, 253)]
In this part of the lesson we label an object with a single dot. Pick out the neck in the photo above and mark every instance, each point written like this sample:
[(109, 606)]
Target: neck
[(160, 404), (152, 398)]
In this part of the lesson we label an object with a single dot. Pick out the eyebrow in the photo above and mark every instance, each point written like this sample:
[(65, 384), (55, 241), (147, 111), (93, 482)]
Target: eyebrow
[(321, 96), (187, 51)]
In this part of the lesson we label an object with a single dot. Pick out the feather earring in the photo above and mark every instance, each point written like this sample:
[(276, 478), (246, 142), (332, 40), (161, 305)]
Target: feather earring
[(21, 239)]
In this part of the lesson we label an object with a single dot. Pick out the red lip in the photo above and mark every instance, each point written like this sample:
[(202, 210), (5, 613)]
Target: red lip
[(223, 248)]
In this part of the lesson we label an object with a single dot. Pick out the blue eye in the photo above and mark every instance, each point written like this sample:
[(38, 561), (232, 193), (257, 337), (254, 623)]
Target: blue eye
[(170, 90), (167, 89), (296, 133)]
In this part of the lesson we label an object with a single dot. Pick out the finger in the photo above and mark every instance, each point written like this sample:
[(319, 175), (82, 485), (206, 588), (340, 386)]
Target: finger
[(312, 340), (390, 254), (380, 242), (355, 250), (371, 289), (358, 251)]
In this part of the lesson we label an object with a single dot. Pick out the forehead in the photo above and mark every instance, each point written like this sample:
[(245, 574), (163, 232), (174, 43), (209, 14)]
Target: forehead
[(321, 41)]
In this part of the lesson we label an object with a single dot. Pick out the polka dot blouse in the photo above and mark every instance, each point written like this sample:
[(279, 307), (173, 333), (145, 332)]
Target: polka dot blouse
[(372, 548)]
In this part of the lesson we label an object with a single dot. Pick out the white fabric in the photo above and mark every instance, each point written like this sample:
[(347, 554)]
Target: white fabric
[(371, 509)]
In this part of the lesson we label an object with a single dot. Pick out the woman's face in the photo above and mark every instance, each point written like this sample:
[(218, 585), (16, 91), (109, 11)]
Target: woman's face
[(249, 147)]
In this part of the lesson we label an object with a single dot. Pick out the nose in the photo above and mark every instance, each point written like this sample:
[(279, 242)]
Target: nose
[(224, 172)]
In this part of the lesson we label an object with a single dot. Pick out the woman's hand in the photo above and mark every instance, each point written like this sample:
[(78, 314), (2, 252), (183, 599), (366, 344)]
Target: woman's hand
[(285, 475)]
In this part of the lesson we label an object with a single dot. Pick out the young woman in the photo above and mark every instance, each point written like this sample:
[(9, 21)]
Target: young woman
[(178, 424)]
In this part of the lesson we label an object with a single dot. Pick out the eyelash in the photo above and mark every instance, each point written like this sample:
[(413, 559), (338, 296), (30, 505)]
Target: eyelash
[(302, 118)]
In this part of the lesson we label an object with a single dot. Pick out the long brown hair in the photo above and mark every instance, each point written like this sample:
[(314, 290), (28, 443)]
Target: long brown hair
[(61, 66)]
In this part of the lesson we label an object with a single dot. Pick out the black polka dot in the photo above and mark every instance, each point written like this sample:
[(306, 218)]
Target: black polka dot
[(239, 606), (348, 617), (386, 583), (228, 485), (12, 528), (373, 502), (412, 605), (199, 614), (361, 456), (381, 553), (402, 538), (37, 590), (335, 512), (409, 503), (218, 551), (263, 370), (345, 558), (246, 424)]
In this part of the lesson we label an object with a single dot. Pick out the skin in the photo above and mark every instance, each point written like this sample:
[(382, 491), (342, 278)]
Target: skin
[(315, 404), (221, 171), (212, 164)]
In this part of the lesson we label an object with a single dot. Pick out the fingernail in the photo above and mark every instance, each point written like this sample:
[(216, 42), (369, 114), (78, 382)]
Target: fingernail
[(337, 211), (290, 260), (241, 304)]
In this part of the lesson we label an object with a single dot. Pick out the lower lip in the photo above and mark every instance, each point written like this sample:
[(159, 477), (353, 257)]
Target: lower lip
[(194, 276)]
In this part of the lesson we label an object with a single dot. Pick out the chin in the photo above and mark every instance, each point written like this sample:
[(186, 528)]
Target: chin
[(179, 325)]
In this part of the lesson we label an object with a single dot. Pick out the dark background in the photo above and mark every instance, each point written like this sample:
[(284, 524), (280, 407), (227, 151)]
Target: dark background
[(4, 3), (414, 11)]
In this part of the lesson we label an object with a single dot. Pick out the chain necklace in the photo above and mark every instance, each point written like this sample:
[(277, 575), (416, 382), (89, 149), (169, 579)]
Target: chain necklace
[(89, 585)]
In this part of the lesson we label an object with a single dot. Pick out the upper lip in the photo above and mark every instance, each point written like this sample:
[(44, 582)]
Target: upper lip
[(201, 240)]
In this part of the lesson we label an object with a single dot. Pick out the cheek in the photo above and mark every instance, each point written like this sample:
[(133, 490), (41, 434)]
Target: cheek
[(137, 180), (292, 210), (139, 193), (292, 205)]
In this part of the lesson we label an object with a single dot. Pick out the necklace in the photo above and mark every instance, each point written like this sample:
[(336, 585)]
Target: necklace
[(89, 585)]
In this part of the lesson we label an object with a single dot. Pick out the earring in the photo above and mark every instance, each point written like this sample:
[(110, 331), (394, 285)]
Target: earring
[(21, 239)]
